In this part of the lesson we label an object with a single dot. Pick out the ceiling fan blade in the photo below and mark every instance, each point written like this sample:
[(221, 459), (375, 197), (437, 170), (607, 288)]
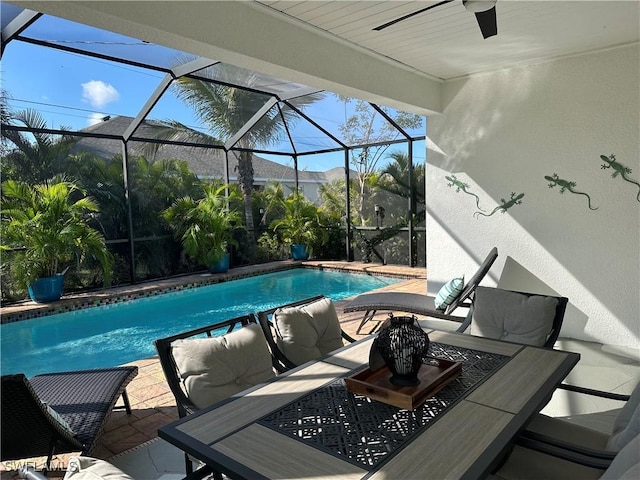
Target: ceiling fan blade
[(487, 22), (393, 22)]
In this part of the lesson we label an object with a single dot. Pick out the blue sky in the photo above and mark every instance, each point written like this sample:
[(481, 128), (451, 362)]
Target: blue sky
[(76, 91)]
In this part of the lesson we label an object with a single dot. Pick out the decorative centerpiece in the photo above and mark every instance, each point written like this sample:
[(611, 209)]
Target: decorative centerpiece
[(403, 345)]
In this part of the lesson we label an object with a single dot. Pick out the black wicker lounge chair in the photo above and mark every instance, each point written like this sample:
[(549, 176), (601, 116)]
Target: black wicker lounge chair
[(418, 303), (59, 412)]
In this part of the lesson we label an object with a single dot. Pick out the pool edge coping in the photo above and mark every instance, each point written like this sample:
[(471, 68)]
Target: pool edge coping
[(80, 301)]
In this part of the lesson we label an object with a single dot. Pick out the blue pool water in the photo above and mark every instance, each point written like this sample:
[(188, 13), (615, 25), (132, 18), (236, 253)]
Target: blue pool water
[(123, 332)]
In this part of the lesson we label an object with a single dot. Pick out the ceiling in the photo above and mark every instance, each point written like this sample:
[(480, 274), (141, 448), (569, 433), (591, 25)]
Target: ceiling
[(445, 42), (331, 45)]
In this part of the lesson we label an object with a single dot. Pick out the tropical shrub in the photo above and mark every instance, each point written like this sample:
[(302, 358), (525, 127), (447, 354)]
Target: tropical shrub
[(205, 226), (45, 228)]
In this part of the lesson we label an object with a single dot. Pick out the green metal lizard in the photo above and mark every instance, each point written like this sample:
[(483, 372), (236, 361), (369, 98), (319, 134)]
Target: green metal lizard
[(567, 185), (454, 182), (505, 205), (618, 169)]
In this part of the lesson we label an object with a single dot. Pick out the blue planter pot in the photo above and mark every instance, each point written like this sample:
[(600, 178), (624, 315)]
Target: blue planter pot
[(299, 251), (222, 265), (47, 289)]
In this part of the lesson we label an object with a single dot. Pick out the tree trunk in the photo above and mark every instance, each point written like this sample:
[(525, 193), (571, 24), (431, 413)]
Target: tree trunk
[(245, 179)]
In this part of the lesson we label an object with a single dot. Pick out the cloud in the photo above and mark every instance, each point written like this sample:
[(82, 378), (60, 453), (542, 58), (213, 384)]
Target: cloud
[(94, 118), (98, 93)]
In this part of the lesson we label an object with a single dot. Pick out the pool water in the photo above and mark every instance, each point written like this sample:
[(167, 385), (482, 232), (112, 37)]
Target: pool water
[(119, 333)]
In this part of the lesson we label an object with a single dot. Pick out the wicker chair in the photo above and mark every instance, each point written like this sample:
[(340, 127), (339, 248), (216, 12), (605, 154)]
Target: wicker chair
[(59, 412)]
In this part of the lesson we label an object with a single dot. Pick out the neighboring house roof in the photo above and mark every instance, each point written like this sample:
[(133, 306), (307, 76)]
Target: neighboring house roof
[(204, 162)]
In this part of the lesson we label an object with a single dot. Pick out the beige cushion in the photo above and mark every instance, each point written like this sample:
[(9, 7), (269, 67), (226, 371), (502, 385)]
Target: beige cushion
[(87, 468), (216, 368), (512, 316), (307, 332), (621, 437), (626, 464), (627, 423), (568, 432), (526, 464)]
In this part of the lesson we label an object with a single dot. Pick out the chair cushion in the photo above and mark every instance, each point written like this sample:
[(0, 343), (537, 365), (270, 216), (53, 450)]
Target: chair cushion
[(216, 368), (512, 316), (620, 438), (566, 431), (449, 292), (627, 423), (626, 464), (87, 468), (307, 332)]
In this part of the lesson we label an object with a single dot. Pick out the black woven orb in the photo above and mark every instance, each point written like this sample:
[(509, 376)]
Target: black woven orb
[(402, 345)]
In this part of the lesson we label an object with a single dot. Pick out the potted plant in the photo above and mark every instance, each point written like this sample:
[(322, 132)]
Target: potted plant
[(300, 226), (205, 226), (45, 229)]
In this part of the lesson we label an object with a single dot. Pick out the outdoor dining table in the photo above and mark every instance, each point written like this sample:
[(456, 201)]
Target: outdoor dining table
[(306, 424)]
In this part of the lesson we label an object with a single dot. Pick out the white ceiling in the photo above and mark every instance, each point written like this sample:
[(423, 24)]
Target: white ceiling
[(445, 42)]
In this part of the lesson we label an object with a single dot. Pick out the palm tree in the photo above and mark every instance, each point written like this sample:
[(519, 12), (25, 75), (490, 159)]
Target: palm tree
[(204, 226), (224, 110), (34, 161), (395, 180), (46, 228)]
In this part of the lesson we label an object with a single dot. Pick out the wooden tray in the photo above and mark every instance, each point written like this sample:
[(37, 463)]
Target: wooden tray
[(376, 384)]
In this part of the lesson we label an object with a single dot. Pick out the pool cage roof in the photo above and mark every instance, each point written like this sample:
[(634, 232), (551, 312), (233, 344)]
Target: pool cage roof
[(307, 121), (304, 122)]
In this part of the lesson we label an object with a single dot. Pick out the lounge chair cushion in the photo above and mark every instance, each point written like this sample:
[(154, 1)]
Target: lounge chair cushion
[(307, 332), (88, 468), (216, 368), (627, 423), (449, 292), (513, 317)]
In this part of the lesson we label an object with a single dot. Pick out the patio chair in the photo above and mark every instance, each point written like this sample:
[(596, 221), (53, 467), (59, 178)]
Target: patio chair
[(552, 448), (520, 317), (535, 460), (586, 441), (418, 303), (302, 331), (59, 412), (212, 363)]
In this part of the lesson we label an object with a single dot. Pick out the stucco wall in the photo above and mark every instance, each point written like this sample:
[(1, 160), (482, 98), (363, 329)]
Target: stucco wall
[(504, 132)]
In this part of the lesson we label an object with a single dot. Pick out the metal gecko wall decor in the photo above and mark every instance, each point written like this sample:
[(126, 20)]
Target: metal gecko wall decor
[(504, 205), (567, 185), (618, 169), (462, 187)]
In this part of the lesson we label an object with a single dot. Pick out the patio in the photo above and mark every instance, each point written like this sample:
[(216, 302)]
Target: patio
[(152, 403), (501, 126)]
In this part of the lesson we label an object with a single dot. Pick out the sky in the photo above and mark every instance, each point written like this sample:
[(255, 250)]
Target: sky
[(76, 91)]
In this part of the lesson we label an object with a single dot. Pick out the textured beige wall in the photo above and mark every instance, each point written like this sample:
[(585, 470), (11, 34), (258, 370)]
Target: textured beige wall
[(502, 133)]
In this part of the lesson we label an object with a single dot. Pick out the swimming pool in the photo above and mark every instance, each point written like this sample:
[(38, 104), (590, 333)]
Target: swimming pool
[(119, 333)]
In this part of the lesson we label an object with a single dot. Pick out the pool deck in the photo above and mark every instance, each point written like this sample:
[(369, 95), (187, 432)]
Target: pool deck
[(151, 400)]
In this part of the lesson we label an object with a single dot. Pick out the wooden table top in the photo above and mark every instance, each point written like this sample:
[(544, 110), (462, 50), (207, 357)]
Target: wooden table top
[(465, 441)]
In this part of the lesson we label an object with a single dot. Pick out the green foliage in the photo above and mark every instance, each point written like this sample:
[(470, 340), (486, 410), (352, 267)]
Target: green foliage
[(269, 248), (300, 223), (46, 228), (204, 226)]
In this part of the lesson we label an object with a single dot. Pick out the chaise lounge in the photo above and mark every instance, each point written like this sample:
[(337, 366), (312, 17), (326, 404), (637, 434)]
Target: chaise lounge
[(59, 412), (418, 303)]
